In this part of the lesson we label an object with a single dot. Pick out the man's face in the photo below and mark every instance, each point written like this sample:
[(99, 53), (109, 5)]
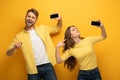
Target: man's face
[(30, 19)]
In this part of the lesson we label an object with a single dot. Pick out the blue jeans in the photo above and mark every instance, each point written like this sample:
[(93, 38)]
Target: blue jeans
[(45, 72), (89, 74)]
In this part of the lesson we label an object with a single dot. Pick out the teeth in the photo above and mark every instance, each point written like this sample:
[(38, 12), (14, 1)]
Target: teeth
[(29, 22)]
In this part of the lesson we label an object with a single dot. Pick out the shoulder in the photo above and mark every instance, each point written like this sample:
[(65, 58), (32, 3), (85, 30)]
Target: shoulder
[(90, 37), (21, 33), (95, 38), (42, 26)]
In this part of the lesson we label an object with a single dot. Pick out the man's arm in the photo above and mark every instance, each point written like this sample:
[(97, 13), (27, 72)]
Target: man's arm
[(57, 28), (11, 51), (59, 24), (16, 46)]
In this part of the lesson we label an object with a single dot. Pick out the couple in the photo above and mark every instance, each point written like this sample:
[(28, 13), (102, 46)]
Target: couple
[(39, 52)]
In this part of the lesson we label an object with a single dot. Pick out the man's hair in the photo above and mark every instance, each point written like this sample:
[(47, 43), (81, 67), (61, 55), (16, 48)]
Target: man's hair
[(33, 11)]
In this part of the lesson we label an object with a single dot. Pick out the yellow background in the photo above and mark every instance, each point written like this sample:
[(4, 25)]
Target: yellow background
[(74, 12)]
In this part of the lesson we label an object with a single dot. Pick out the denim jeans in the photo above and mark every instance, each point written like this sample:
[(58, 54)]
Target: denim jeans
[(45, 72), (89, 74)]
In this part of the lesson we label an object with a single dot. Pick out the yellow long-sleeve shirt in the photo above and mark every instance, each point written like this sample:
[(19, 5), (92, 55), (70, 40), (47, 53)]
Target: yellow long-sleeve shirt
[(44, 33), (84, 53)]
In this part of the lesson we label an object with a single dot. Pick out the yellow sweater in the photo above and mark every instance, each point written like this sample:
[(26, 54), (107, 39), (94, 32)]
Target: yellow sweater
[(84, 53), (44, 32)]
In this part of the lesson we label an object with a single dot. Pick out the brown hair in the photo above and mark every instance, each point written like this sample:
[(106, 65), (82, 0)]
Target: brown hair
[(33, 11), (71, 62)]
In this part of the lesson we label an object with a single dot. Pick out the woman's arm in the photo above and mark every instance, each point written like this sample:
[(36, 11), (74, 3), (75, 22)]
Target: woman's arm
[(57, 55), (103, 31), (57, 52)]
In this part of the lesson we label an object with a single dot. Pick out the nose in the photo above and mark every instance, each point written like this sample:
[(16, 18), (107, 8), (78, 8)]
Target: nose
[(76, 30), (29, 18)]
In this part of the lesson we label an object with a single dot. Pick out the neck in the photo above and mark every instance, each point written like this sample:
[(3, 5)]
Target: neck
[(29, 28), (77, 40)]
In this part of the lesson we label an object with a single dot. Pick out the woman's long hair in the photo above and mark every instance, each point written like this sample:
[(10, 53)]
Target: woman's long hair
[(71, 62)]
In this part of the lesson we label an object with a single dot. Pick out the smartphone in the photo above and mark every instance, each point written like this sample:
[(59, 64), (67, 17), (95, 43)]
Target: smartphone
[(53, 16), (95, 23)]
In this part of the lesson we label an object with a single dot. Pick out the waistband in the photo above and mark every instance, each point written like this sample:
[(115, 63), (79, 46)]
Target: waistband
[(44, 64), (91, 69)]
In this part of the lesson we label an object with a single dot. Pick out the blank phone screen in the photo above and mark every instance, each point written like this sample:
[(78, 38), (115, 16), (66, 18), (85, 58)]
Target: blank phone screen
[(53, 16), (95, 23)]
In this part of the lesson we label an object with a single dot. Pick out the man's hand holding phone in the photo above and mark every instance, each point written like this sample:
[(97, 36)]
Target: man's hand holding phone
[(55, 16), (96, 23)]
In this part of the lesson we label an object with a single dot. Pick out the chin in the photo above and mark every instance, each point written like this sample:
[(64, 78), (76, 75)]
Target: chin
[(29, 25), (78, 34)]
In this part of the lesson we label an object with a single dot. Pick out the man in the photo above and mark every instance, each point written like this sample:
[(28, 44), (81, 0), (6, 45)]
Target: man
[(37, 47)]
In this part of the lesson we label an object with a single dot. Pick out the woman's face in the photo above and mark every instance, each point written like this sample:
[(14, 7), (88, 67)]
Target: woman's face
[(74, 32)]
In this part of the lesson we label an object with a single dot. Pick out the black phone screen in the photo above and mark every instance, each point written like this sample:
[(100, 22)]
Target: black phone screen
[(53, 16), (95, 23)]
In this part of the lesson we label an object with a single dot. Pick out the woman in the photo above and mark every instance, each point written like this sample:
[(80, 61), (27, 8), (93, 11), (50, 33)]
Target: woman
[(79, 50)]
